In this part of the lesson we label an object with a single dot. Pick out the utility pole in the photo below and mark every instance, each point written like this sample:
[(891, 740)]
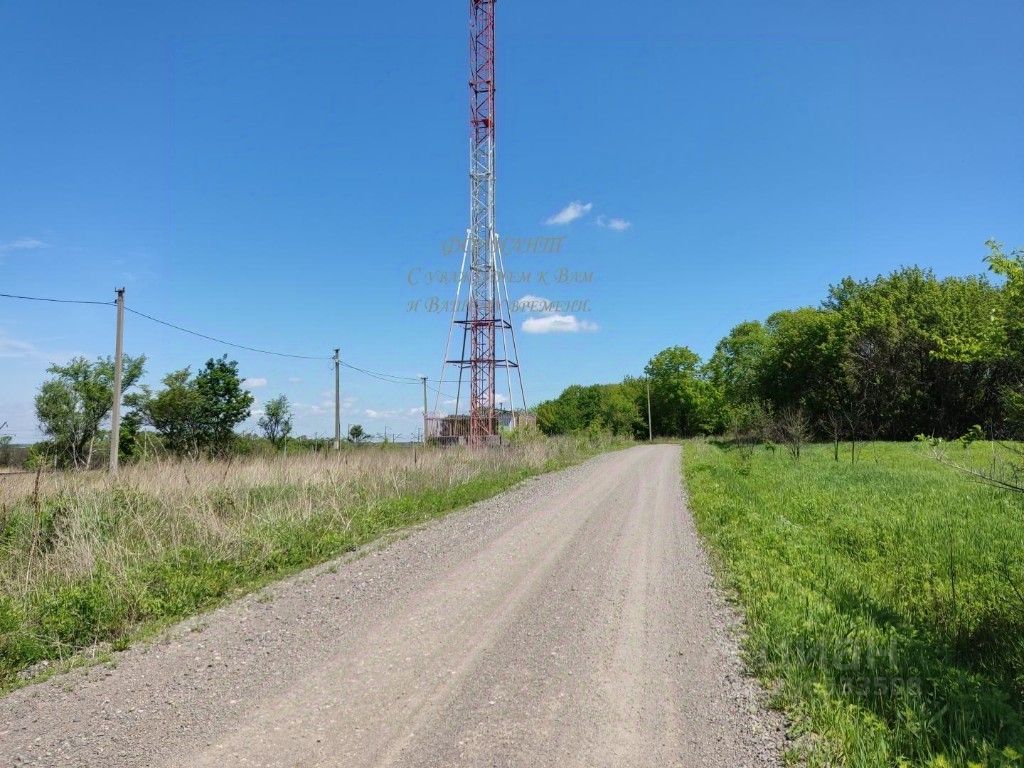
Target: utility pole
[(337, 399), (115, 411), (424, 380), (650, 425)]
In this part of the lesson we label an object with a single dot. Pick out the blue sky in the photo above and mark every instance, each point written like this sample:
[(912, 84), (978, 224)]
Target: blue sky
[(286, 174)]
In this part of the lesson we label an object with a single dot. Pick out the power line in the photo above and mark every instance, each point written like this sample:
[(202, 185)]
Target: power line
[(222, 341), (55, 301), (440, 392), (389, 378), (392, 378)]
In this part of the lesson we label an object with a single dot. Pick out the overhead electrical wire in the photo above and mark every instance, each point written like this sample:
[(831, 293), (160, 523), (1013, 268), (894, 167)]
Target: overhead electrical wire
[(390, 378), (394, 378), (222, 341), (440, 392), (55, 301)]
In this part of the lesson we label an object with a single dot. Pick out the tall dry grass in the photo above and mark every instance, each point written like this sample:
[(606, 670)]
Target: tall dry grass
[(166, 504), (87, 559)]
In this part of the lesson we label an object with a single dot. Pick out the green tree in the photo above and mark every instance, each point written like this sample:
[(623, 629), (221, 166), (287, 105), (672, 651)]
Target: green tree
[(611, 408), (577, 408), (129, 445), (683, 401), (198, 414), (902, 338), (225, 403), (1010, 322), (276, 422), (894, 356), (737, 364), (549, 418), (357, 435), (175, 412), (802, 358), (72, 405), (1010, 317), (991, 342), (624, 408), (996, 344)]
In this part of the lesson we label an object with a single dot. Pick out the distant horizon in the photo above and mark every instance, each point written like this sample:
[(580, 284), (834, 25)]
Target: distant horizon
[(326, 433)]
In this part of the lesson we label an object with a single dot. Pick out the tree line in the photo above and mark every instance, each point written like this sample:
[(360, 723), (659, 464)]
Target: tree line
[(891, 358), (190, 415)]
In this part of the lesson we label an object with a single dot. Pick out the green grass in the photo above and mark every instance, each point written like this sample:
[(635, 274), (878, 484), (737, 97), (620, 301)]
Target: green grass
[(882, 599), (88, 565)]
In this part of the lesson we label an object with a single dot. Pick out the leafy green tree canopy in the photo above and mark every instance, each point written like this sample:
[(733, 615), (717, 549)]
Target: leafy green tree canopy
[(198, 414), (683, 401), (276, 422), (72, 405)]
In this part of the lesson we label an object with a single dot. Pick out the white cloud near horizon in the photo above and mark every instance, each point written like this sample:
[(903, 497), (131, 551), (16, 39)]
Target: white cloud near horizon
[(254, 383), (22, 244), (614, 223), (573, 211), (326, 406), (13, 348), (554, 323), (372, 414)]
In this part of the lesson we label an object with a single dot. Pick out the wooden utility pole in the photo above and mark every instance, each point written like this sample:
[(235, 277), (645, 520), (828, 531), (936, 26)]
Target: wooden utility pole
[(424, 380), (650, 424), (115, 411), (337, 400)]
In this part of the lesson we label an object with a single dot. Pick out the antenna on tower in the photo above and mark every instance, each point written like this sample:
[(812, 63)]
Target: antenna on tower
[(487, 318)]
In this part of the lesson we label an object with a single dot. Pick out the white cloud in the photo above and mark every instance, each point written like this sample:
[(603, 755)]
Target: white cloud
[(294, 380), (22, 244), (372, 414), (12, 348), (254, 383), (553, 323), (613, 223), (573, 211), (550, 320), (312, 408)]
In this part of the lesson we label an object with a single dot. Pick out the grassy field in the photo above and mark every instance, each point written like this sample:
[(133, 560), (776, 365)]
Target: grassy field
[(86, 563), (884, 600)]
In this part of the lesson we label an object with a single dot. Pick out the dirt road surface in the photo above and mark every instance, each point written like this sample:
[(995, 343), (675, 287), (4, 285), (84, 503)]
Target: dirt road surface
[(569, 622)]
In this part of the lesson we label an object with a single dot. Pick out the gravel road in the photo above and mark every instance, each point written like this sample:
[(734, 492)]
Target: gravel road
[(571, 621)]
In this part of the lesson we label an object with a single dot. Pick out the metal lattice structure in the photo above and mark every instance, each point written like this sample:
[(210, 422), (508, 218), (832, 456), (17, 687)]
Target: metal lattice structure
[(486, 325)]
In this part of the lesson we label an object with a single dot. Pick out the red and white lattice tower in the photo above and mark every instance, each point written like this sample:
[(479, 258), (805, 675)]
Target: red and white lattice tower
[(487, 323)]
